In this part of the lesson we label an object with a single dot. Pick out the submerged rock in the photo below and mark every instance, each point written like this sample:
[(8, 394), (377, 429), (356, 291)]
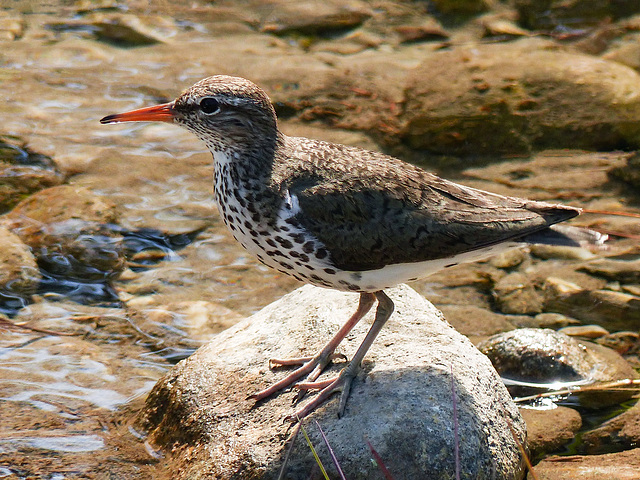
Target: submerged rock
[(23, 172), (624, 271), (629, 173), (19, 274), (516, 294), (620, 432), (551, 14), (68, 231), (611, 310), (402, 402), (315, 18)]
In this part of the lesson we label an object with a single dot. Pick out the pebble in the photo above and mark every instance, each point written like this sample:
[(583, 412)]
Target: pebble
[(585, 331)]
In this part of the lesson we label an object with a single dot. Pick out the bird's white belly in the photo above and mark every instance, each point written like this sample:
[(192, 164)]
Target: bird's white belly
[(391, 275)]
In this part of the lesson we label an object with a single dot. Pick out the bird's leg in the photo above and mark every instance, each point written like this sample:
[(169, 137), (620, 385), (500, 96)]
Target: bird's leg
[(343, 381), (313, 366)]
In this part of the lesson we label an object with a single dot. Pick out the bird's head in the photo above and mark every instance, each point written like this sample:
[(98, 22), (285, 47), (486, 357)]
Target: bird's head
[(227, 113)]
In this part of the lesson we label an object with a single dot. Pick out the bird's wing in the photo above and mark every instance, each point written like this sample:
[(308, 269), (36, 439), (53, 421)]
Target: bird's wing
[(377, 211)]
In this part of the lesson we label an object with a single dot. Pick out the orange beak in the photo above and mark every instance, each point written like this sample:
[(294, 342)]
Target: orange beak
[(157, 113)]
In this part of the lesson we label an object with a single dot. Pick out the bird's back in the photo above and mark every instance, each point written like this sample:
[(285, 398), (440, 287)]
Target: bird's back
[(372, 210)]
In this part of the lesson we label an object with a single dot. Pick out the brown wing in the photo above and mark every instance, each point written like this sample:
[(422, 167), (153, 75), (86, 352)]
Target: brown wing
[(375, 210)]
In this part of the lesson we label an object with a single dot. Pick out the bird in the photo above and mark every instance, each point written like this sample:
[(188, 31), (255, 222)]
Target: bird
[(342, 217)]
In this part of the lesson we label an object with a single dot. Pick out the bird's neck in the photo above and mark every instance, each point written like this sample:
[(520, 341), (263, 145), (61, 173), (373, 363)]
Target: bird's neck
[(244, 175)]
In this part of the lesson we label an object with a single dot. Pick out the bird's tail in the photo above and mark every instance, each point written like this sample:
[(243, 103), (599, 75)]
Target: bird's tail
[(568, 236)]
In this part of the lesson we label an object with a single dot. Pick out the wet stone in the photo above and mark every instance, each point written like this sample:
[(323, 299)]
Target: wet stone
[(622, 342), (68, 230), (179, 326), (82, 251), (509, 258), (429, 30), (316, 18), (474, 321), (584, 331), (502, 27), (23, 172), (623, 271), (11, 28), (123, 30), (629, 173), (612, 466), (550, 428), (609, 309), (544, 356), (545, 320), (516, 294), (495, 99), (561, 252), (620, 433), (19, 274), (461, 6), (575, 14)]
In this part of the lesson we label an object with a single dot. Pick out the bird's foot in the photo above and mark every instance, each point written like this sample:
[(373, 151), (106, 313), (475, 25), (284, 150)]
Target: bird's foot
[(341, 383), (289, 362), (312, 367)]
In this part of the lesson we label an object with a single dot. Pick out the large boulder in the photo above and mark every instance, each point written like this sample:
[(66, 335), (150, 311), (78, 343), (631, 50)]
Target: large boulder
[(513, 98), (402, 402)]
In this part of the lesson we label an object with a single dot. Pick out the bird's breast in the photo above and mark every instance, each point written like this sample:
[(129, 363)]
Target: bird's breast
[(275, 235)]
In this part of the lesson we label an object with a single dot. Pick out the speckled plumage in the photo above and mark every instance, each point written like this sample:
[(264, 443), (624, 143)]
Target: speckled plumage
[(359, 211), (338, 216)]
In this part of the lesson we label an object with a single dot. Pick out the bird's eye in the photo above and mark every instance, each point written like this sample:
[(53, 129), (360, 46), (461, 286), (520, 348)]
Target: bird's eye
[(209, 106)]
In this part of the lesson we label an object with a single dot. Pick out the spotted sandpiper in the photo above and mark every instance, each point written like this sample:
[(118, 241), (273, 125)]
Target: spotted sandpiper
[(341, 217)]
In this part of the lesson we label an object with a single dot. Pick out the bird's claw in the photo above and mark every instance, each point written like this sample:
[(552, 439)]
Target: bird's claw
[(312, 367), (341, 383)]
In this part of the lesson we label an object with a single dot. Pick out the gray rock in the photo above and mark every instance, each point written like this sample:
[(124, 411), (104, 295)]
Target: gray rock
[(402, 403)]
